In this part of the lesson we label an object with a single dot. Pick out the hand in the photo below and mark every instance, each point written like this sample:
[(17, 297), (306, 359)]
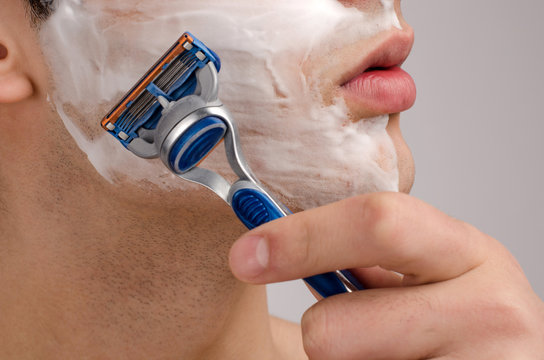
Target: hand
[(461, 294)]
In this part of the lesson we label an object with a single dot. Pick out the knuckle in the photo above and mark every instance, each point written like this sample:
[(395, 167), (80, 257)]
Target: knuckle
[(356, 206), (316, 335), (506, 316), (382, 216)]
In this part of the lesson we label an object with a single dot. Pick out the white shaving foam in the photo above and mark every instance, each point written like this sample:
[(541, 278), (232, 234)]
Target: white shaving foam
[(307, 151)]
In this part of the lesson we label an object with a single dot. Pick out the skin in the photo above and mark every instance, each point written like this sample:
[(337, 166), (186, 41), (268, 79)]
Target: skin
[(147, 284)]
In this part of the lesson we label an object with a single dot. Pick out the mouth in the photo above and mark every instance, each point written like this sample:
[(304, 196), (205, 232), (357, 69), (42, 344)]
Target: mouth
[(377, 85)]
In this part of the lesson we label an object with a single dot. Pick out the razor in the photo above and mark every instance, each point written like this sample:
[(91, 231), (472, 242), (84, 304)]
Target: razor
[(173, 112)]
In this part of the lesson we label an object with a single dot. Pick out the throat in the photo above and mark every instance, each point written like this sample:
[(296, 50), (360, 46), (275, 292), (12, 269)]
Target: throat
[(149, 285)]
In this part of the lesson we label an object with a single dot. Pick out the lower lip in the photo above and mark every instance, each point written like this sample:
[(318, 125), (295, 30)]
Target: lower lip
[(385, 91)]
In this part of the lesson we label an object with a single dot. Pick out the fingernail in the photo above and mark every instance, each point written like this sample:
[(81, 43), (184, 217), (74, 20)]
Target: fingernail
[(249, 257)]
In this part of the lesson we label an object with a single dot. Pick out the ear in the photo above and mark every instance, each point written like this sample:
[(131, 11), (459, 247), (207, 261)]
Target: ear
[(15, 85), (15, 82)]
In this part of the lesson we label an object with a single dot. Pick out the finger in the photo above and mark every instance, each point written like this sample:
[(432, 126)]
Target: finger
[(391, 324), (394, 231), (469, 315)]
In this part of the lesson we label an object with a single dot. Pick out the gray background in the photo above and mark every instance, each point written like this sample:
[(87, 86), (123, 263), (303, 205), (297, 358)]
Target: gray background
[(476, 130)]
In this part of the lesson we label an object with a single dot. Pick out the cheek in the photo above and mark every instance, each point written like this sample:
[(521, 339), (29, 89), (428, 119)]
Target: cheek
[(404, 155)]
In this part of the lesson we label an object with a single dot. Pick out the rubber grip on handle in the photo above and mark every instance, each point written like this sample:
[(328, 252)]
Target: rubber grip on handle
[(255, 208)]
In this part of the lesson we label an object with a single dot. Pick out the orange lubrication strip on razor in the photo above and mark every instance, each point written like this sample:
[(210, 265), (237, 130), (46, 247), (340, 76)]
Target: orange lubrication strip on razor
[(178, 48)]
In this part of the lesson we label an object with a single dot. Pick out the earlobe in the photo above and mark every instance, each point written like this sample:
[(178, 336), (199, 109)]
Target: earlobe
[(15, 86)]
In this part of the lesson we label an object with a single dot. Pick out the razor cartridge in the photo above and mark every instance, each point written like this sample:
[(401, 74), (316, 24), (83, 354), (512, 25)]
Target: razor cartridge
[(172, 77), (174, 113)]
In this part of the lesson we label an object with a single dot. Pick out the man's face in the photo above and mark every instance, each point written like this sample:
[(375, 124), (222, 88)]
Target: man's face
[(313, 129)]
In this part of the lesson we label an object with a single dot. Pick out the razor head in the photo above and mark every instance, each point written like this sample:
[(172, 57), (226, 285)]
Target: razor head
[(171, 77)]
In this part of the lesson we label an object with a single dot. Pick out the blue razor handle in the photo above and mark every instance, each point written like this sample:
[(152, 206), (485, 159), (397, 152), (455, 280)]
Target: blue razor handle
[(254, 208)]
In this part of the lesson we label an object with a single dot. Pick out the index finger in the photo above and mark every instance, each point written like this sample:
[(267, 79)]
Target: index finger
[(394, 231)]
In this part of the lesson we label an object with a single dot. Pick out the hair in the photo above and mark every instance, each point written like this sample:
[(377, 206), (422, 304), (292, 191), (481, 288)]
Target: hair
[(39, 10)]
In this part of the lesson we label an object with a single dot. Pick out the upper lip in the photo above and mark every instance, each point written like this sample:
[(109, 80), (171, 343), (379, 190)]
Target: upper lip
[(391, 49)]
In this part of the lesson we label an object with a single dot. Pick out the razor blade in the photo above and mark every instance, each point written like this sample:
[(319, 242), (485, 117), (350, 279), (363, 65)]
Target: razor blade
[(172, 77)]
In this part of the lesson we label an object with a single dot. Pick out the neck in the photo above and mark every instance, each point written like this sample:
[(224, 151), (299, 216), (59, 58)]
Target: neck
[(90, 275)]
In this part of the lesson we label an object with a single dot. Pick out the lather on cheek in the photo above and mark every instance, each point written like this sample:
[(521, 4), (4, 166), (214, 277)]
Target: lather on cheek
[(262, 45)]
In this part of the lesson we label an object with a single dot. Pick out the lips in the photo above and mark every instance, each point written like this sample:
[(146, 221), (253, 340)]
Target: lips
[(378, 85)]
